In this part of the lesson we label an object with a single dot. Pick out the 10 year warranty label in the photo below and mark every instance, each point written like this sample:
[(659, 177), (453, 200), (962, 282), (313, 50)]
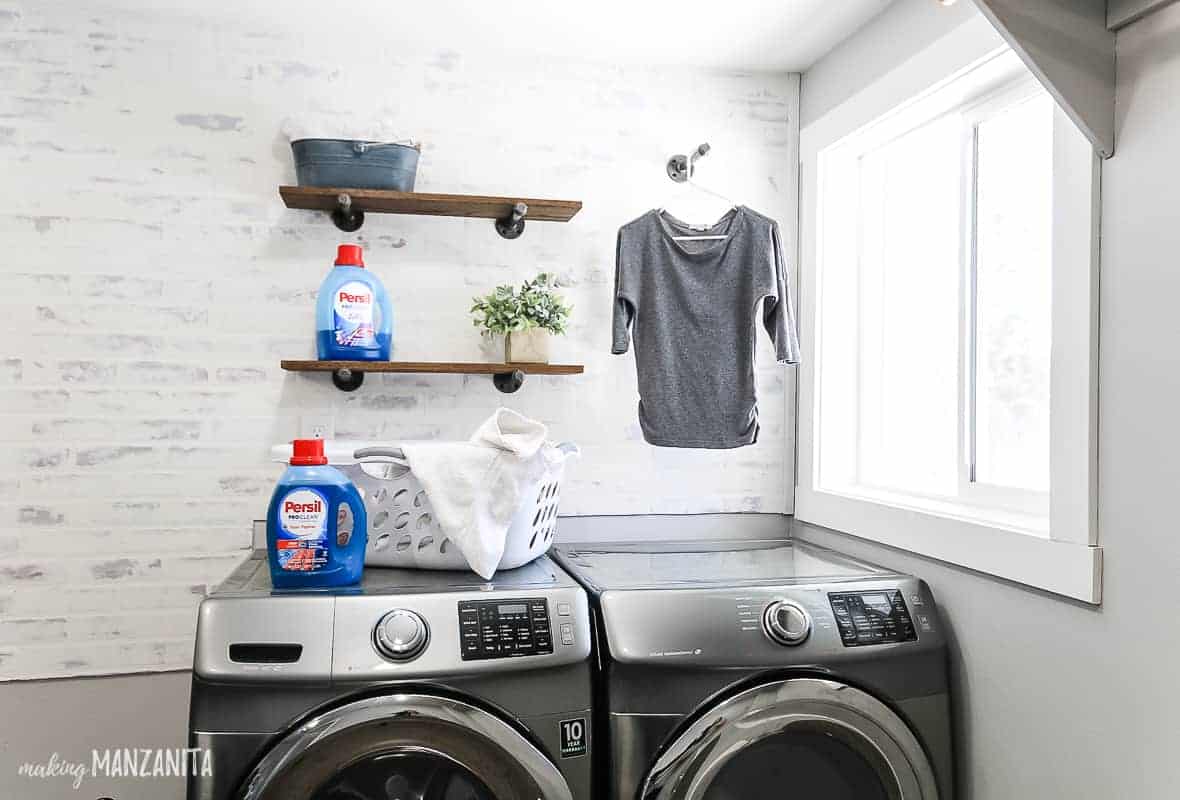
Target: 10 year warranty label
[(573, 737)]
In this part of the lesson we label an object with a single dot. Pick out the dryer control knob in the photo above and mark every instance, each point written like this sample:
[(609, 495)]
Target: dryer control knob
[(786, 622), (400, 635)]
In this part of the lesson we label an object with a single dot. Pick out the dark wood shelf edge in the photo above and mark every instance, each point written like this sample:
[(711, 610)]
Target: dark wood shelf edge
[(433, 367), (317, 198)]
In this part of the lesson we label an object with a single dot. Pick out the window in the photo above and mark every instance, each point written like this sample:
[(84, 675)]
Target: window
[(937, 308), (951, 295)]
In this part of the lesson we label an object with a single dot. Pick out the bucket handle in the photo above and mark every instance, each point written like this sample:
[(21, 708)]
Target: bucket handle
[(363, 147)]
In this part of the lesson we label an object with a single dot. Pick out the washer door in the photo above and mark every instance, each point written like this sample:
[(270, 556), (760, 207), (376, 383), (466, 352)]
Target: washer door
[(800, 738), (405, 747)]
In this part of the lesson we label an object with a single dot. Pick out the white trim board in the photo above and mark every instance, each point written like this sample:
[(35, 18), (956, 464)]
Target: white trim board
[(1066, 568)]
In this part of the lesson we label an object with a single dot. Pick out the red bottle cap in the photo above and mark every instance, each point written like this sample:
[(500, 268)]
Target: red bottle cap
[(350, 255), (308, 453)]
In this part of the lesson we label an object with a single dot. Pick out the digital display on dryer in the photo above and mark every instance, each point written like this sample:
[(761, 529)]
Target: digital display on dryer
[(866, 618)]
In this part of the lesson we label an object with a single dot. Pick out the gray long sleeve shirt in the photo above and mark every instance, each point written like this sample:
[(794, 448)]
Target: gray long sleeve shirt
[(692, 308)]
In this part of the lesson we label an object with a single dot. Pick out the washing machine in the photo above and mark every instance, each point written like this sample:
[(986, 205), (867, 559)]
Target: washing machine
[(753, 670), (415, 685)]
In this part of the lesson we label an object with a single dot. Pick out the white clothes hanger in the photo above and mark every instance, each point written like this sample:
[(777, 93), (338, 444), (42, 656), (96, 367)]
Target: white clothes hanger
[(680, 170)]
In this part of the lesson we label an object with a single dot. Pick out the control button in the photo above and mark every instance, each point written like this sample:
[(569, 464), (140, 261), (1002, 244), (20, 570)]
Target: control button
[(564, 609), (400, 635), (567, 633), (786, 622)]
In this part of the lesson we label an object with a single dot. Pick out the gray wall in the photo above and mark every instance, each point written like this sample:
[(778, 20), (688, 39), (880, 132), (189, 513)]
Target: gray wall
[(72, 717), (904, 28), (1055, 699)]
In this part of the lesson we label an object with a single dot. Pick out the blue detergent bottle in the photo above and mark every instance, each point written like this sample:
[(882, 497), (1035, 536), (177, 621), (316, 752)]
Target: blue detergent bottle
[(316, 526), (354, 319)]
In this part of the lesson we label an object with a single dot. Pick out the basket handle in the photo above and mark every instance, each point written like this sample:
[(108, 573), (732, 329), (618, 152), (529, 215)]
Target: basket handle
[(392, 455), (396, 455)]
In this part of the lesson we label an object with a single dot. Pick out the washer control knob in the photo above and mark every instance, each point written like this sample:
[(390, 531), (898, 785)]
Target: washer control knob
[(786, 622), (401, 635)]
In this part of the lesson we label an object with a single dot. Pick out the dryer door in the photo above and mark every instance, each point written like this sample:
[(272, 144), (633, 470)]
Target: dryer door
[(405, 747), (801, 738)]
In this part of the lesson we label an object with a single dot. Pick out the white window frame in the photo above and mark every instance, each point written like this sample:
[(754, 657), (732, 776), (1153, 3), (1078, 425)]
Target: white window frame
[(1066, 560), (971, 491)]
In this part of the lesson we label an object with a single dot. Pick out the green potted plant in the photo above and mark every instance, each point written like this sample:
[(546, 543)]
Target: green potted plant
[(527, 318)]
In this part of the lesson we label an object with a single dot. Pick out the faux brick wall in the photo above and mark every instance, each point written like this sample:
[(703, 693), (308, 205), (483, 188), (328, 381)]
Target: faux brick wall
[(151, 280)]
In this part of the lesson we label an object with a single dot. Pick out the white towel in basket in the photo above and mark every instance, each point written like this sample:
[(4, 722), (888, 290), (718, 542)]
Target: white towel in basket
[(475, 486)]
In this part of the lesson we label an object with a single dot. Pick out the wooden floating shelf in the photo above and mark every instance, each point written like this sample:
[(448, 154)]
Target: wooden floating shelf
[(508, 377), (348, 206)]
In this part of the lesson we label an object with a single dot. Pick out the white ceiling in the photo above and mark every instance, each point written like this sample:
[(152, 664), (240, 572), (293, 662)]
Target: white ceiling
[(778, 35)]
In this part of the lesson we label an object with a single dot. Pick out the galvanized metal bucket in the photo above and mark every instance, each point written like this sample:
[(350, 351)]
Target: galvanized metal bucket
[(356, 164)]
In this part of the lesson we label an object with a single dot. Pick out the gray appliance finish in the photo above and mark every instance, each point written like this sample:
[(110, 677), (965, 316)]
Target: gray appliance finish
[(763, 669), (414, 684)]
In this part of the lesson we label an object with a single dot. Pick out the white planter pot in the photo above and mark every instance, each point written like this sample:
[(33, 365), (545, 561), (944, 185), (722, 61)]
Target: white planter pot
[(529, 347)]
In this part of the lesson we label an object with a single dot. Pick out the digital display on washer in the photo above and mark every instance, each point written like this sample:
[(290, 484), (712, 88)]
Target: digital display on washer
[(497, 629), (866, 618)]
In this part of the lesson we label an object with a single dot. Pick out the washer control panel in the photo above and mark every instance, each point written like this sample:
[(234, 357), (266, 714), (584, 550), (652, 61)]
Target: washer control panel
[(872, 617), (504, 628)]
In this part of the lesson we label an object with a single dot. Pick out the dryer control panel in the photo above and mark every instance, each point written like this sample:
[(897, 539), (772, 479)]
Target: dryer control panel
[(504, 628), (872, 617)]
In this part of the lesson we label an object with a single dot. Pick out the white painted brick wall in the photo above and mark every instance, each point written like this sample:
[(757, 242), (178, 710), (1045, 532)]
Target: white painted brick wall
[(151, 280)]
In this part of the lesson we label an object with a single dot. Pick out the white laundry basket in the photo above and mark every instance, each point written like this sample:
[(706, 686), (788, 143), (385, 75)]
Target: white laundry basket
[(403, 531)]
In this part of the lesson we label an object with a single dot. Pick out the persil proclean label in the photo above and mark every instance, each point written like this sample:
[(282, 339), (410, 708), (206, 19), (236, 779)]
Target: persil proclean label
[(302, 537), (352, 315)]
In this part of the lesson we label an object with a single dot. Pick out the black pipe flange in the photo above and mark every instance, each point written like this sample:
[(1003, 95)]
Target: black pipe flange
[(348, 380), (512, 226), (509, 382), (347, 218)]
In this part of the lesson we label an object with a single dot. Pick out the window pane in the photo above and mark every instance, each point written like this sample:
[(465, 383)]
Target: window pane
[(909, 311), (1014, 198)]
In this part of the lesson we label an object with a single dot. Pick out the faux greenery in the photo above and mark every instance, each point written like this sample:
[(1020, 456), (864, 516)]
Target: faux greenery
[(535, 305)]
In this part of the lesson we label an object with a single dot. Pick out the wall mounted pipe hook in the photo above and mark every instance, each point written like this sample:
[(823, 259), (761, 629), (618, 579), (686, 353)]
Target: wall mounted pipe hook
[(681, 167)]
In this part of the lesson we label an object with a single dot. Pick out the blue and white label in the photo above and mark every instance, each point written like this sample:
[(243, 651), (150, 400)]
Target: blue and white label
[(352, 315), (302, 537)]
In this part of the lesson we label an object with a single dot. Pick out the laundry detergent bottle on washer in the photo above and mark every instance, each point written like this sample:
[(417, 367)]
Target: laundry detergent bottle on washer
[(316, 526), (354, 318)]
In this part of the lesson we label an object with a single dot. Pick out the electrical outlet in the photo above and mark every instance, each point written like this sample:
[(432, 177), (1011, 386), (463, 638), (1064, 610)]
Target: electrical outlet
[(317, 426)]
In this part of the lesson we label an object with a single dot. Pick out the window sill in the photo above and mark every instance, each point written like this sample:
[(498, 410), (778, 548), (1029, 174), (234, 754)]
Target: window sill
[(1071, 569), (1013, 521)]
